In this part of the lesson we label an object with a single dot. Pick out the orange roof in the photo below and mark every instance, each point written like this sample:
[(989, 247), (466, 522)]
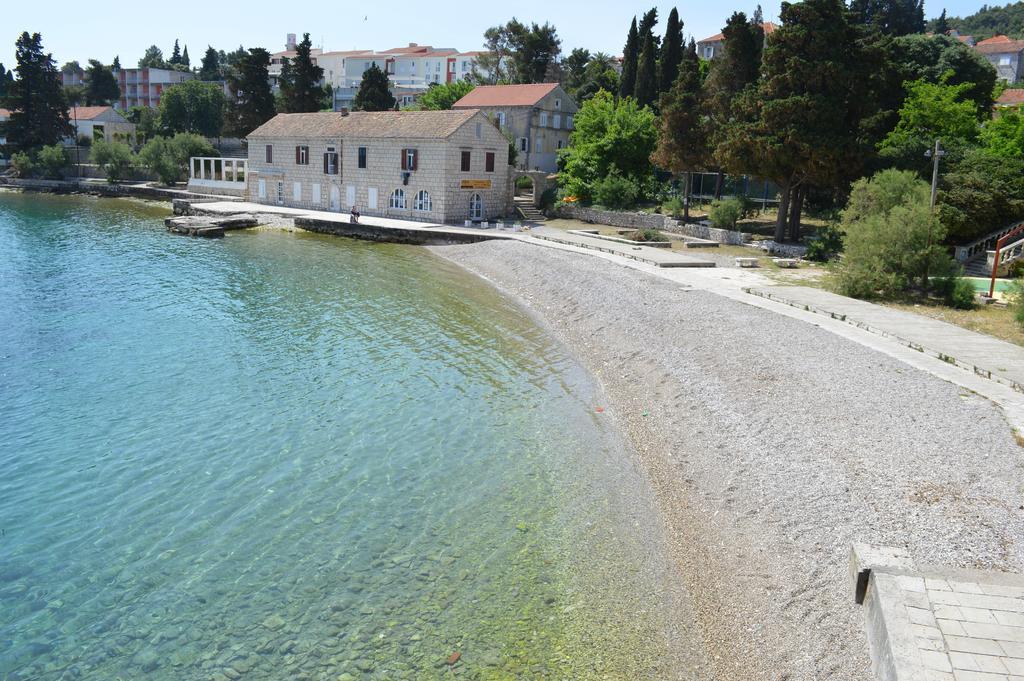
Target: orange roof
[(1000, 46), (505, 95), (87, 113), (994, 39), (1011, 98), (6, 113), (767, 26)]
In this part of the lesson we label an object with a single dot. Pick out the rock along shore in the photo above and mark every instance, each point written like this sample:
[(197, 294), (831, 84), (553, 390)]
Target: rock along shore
[(772, 445)]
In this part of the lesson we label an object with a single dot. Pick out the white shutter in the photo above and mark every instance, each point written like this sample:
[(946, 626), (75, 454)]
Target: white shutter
[(297, 192), (316, 194), (262, 184)]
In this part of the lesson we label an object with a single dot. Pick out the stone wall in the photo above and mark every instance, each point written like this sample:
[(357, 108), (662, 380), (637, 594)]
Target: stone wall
[(612, 218)]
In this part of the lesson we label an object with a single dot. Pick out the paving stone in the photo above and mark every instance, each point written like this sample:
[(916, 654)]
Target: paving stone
[(974, 645), (936, 660), (961, 675), (1010, 619), (993, 631)]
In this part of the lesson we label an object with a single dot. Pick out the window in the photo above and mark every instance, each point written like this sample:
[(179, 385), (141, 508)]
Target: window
[(330, 161), (280, 192), (479, 130), (467, 157), (316, 195), (270, 153), (1004, 61), (262, 188), (409, 159), (543, 119), (561, 144), (397, 199), (422, 202), (568, 122), (489, 163), (558, 104), (302, 156), (524, 144), (362, 157), (557, 122), (476, 207), (501, 119)]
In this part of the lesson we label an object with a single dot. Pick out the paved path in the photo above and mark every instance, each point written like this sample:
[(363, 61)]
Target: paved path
[(932, 624), (982, 354), (659, 257)]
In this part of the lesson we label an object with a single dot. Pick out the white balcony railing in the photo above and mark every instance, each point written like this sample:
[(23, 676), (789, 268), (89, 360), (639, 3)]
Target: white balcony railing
[(220, 173)]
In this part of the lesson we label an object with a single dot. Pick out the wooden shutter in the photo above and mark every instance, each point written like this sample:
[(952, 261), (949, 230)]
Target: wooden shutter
[(415, 159), (326, 166), (404, 160), (490, 162), (298, 158)]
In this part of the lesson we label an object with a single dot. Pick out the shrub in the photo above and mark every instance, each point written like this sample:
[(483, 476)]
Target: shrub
[(646, 235), (887, 223), (548, 198), (616, 191), (115, 158), (725, 213), (524, 182), (23, 164), (826, 244), (961, 294), (674, 207), (84, 141), (52, 161), (1015, 297), (168, 158)]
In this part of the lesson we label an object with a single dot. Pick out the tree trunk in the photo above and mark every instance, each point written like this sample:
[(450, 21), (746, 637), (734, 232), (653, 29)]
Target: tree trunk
[(719, 181), (686, 198), (796, 204), (780, 220)]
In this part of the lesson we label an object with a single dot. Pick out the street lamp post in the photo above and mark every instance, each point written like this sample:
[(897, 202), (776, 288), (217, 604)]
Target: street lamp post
[(935, 155)]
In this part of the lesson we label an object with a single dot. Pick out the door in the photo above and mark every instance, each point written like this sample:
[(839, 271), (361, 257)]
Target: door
[(335, 198), (371, 198), (280, 193), (316, 195), (297, 192), (262, 184), (476, 207), (350, 195)]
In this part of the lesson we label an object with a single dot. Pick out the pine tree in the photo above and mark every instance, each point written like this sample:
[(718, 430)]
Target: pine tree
[(184, 58), (942, 25), (646, 27), (175, 54), (209, 69), (374, 92), (39, 110), (682, 142), (630, 57), (101, 86), (671, 52), (116, 66), (3, 81), (731, 72), (300, 81), (646, 73), (252, 101)]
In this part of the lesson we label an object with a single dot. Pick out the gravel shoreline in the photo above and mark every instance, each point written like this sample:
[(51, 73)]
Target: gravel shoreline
[(771, 446)]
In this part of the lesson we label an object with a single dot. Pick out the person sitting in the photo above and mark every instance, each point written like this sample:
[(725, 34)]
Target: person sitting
[(354, 216)]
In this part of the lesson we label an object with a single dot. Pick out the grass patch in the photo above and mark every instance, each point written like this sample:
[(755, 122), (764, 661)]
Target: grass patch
[(995, 321)]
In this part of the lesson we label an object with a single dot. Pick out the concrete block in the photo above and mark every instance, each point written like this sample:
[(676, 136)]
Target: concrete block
[(864, 558)]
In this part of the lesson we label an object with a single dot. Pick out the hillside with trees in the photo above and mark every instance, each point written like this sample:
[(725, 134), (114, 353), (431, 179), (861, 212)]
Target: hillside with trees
[(987, 22)]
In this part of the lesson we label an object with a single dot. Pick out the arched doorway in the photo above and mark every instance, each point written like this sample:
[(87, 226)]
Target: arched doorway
[(476, 207)]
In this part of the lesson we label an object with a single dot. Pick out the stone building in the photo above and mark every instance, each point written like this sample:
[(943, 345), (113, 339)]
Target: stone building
[(434, 166), (538, 118), (712, 46), (1007, 56), (100, 123)]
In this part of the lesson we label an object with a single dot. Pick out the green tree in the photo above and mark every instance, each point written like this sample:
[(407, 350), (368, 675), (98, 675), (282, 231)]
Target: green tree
[(988, 21), (115, 158), (116, 66), (608, 135), (929, 112), (892, 237), (101, 86), (600, 75), (168, 157), (647, 73), (175, 54), (209, 69), (39, 109), (500, 43), (630, 60), (941, 25), (1004, 135), (671, 52), (443, 96), (940, 58), (5, 80), (193, 106), (682, 143), (301, 81), (575, 70), (252, 101), (979, 193), (146, 121), (185, 61), (374, 92), (890, 17), (518, 53), (52, 161), (153, 58)]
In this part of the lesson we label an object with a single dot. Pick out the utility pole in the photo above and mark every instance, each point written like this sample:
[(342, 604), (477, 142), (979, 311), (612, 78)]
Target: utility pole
[(934, 154)]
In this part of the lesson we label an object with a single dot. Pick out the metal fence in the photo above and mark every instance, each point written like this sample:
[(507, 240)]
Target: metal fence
[(763, 193)]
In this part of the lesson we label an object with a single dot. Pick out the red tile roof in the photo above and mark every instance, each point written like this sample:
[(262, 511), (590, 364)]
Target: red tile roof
[(505, 95), (1014, 97), (994, 39), (88, 113), (1000, 47), (768, 27)]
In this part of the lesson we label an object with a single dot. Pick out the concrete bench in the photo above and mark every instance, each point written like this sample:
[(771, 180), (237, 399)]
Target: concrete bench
[(746, 262), (786, 262)]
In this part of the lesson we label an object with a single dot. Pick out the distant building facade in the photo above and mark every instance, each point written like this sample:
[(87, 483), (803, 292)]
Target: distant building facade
[(145, 86), (436, 166), (100, 123), (1006, 55), (712, 46), (539, 118)]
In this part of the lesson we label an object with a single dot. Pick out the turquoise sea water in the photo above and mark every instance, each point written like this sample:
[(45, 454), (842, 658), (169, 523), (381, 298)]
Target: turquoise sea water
[(280, 455)]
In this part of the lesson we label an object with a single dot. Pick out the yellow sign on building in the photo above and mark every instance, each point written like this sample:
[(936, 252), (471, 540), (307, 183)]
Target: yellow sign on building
[(476, 184)]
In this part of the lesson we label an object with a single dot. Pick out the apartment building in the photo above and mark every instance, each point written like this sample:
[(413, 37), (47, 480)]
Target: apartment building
[(144, 87)]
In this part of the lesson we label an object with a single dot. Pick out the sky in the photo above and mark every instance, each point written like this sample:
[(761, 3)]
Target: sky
[(72, 31)]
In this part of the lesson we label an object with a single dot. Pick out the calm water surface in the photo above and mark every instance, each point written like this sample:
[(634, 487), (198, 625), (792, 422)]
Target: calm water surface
[(282, 455)]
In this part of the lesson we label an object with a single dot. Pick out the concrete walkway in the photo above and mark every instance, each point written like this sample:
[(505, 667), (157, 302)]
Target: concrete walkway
[(659, 257), (984, 355)]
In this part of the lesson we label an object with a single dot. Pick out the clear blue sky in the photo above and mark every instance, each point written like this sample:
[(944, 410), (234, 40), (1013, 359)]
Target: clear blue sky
[(76, 31)]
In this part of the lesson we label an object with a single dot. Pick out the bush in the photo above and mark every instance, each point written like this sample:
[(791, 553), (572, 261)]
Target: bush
[(887, 222), (84, 141), (115, 158), (616, 191), (674, 207), (826, 244), (548, 198), (52, 161), (646, 235), (1015, 297), (725, 213), (23, 164), (524, 182), (961, 294), (168, 158)]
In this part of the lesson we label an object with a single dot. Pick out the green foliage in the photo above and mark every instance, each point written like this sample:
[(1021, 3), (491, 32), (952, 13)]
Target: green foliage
[(671, 52), (39, 109), (647, 235), (23, 163), (374, 92), (936, 59), (548, 198), (153, 58), (209, 68), (517, 53), (598, 75), (646, 90), (890, 17), (51, 161), (193, 106), (826, 244), (960, 293), (101, 86), (146, 122), (115, 158), (608, 135), (252, 101), (444, 95), (888, 226), (630, 59), (674, 207), (300, 81), (990, 20), (1015, 297), (616, 190), (933, 111), (1004, 135), (168, 157), (725, 213), (682, 139), (980, 193)]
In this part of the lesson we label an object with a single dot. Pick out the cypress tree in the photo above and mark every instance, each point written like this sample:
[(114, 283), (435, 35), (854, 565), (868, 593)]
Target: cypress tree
[(300, 81), (374, 92), (252, 101), (175, 53), (116, 66), (942, 25), (3, 80), (671, 52), (646, 73), (630, 56), (39, 109), (647, 23), (184, 58), (209, 68)]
